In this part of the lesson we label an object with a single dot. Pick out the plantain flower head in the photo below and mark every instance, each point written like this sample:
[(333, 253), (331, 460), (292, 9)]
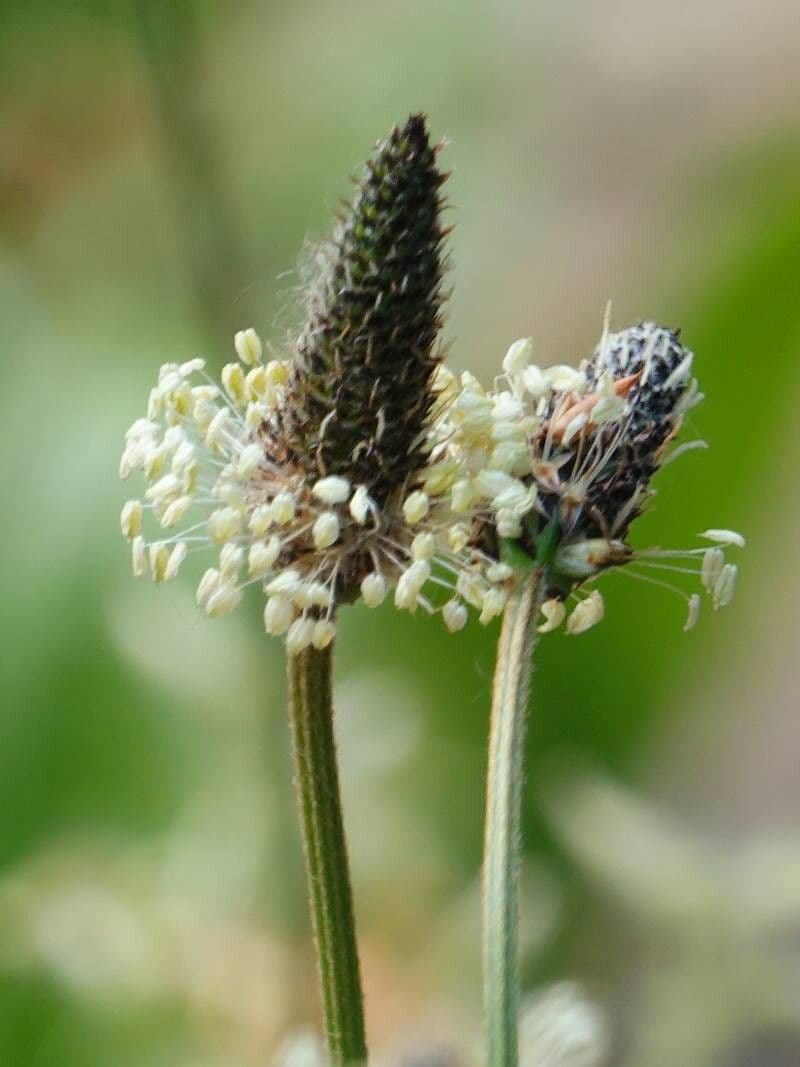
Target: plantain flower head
[(316, 476), (555, 464)]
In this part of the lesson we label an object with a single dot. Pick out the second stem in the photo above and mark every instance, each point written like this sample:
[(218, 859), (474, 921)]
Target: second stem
[(503, 823)]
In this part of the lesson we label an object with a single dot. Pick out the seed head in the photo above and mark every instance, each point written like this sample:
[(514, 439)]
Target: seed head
[(359, 392)]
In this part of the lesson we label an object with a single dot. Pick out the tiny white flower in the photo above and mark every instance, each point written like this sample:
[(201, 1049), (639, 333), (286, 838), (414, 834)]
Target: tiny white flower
[(586, 614), (455, 616), (416, 507), (332, 490), (325, 531), (248, 346), (373, 590), (724, 537)]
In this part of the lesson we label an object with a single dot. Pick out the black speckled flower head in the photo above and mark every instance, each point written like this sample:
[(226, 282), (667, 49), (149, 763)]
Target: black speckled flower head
[(359, 393)]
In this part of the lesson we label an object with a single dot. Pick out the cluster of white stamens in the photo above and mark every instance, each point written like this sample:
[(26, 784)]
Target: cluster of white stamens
[(204, 451), (503, 466), (531, 451)]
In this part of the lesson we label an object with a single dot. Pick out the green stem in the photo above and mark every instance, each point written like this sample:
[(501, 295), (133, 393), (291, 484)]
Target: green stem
[(317, 780), (503, 817)]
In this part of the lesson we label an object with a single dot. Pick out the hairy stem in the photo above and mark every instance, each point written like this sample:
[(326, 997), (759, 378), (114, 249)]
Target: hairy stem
[(503, 817), (317, 780)]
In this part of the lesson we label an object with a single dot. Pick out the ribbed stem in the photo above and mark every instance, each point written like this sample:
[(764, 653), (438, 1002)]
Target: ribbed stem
[(503, 817), (317, 781)]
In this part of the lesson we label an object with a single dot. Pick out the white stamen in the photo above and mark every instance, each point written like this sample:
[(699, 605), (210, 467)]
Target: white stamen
[(554, 613), (586, 614), (325, 531), (455, 616), (130, 519), (332, 490), (724, 537), (248, 346), (373, 590)]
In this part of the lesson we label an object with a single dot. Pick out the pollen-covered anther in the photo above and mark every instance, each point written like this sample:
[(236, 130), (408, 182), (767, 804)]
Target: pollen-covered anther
[(332, 490), (454, 615), (138, 557), (361, 505), (725, 585), (518, 356), (300, 635), (279, 613), (492, 604), (283, 509), (248, 346), (325, 531), (323, 633), (586, 614), (130, 519), (725, 537), (373, 590), (262, 556), (416, 507), (410, 585), (554, 614)]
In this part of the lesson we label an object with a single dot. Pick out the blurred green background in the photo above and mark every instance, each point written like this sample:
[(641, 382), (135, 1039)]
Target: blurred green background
[(162, 167)]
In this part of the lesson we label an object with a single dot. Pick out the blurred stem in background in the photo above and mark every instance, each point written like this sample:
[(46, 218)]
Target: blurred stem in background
[(503, 839), (330, 895), (169, 38)]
